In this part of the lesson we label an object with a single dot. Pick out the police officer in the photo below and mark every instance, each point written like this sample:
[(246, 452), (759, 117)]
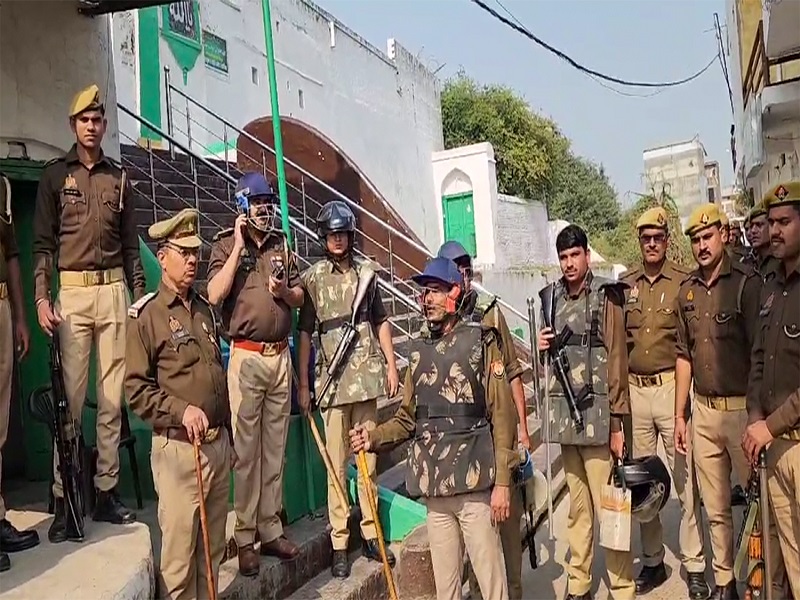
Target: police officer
[(14, 335), (651, 323), (717, 310), (84, 219), (457, 409), (593, 308), (479, 308), (760, 254), (253, 275), (370, 372), (773, 398), (176, 383)]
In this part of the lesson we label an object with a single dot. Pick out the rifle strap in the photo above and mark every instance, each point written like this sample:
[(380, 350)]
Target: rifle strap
[(744, 539), (589, 335)]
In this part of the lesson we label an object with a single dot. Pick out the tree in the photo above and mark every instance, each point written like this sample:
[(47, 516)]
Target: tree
[(533, 157)]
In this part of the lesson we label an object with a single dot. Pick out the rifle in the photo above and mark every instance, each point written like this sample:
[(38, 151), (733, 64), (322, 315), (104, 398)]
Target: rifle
[(559, 360), (349, 334), (68, 442), (754, 540)]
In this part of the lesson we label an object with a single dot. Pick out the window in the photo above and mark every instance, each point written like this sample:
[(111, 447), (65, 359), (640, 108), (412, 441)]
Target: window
[(254, 75), (300, 99), (712, 195)]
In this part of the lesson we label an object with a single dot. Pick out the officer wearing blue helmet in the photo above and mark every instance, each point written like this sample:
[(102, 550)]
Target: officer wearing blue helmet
[(479, 309), (253, 277), (458, 413)]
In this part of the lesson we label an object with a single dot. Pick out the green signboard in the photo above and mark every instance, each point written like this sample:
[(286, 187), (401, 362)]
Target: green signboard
[(215, 50), (180, 26)]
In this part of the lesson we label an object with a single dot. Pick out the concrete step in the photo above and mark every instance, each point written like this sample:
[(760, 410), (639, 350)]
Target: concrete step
[(366, 582)]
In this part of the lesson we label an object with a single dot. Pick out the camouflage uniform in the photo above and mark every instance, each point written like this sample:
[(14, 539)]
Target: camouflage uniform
[(457, 409), (598, 357), (353, 397)]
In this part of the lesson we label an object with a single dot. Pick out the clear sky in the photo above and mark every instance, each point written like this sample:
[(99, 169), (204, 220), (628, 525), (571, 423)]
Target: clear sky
[(644, 40)]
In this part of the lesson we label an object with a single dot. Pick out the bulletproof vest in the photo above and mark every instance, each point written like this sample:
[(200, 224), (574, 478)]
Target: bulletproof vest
[(588, 362), (363, 376), (452, 451)]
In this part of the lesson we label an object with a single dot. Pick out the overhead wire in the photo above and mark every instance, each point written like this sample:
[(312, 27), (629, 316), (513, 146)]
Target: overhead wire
[(723, 61), (563, 56)]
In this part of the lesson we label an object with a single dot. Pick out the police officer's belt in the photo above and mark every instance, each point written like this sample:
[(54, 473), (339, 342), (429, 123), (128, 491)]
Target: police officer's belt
[(337, 322), (646, 381), (179, 434), (91, 278), (263, 348), (456, 409), (724, 403), (792, 436), (3, 290)]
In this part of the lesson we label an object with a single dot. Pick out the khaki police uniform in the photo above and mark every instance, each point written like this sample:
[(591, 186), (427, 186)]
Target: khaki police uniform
[(651, 322), (716, 328), (759, 258), (174, 361), (84, 220), (8, 251), (259, 380), (774, 393), (461, 519)]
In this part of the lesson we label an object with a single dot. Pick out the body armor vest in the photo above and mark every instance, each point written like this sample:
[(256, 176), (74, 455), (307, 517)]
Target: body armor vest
[(452, 451), (588, 362)]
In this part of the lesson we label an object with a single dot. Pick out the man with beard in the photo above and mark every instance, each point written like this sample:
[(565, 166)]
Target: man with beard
[(458, 412), (718, 314), (84, 226), (593, 308), (773, 398), (370, 372), (651, 322), (175, 382), (253, 275), (760, 255)]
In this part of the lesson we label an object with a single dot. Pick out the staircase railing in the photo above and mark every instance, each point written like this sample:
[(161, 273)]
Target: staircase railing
[(230, 131)]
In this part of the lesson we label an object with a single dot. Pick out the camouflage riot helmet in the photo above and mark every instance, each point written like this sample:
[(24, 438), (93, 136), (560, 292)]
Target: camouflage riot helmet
[(256, 199), (336, 216), (648, 480)]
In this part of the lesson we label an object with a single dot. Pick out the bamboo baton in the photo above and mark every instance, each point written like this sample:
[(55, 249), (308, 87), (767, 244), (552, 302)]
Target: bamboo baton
[(326, 458), (212, 591), (373, 507)]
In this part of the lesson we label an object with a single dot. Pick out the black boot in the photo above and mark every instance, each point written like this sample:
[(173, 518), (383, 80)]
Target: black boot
[(650, 578), (5, 562), (697, 586), (586, 596), (371, 550), (58, 528), (340, 568), (14, 540), (726, 592), (110, 509)]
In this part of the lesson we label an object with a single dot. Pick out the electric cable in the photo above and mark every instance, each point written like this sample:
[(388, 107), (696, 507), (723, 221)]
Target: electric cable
[(553, 50)]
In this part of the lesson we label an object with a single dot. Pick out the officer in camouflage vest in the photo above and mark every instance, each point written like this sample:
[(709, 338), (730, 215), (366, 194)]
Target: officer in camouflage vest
[(457, 410), (597, 353), (370, 371), (482, 308)]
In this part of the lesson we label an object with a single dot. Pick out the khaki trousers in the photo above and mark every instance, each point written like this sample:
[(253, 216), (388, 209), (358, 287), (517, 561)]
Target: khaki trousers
[(182, 574), (259, 388), (338, 421), (653, 417), (511, 541), (783, 463), (587, 470), (6, 373), (461, 521), (95, 316), (717, 447)]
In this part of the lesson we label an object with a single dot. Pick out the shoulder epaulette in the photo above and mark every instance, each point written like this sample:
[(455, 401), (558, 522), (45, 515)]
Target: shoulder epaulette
[(744, 268), (631, 273), (221, 234), (489, 334), (136, 308), (53, 161), (681, 269)]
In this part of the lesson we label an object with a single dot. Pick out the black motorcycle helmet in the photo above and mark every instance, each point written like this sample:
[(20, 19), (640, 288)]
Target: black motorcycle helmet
[(334, 217), (648, 480)]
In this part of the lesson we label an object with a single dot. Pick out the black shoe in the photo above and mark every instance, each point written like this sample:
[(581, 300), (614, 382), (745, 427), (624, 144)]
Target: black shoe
[(650, 578), (58, 528), (586, 596), (14, 540), (371, 550), (110, 509), (5, 562), (697, 586), (340, 568), (738, 497), (726, 592)]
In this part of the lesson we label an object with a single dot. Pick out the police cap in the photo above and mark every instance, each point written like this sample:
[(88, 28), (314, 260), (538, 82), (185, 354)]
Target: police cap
[(181, 230), (442, 270), (653, 217), (757, 211), (783, 194), (703, 217), (86, 99)]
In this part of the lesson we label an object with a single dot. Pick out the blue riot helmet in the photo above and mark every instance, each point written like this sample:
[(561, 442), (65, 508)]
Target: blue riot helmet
[(443, 271), (256, 199), (455, 252)]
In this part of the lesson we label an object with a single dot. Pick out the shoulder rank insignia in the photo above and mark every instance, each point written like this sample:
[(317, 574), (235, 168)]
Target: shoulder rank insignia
[(498, 369), (221, 234), (689, 296), (634, 295), (136, 307), (767, 305)]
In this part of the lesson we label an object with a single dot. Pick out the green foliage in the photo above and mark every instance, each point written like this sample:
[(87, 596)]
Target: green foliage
[(621, 244), (533, 157)]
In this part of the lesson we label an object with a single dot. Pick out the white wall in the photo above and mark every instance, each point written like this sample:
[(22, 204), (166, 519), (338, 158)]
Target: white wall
[(380, 108), (48, 52)]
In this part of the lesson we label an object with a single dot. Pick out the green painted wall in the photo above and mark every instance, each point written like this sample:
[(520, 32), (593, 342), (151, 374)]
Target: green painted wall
[(149, 71)]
